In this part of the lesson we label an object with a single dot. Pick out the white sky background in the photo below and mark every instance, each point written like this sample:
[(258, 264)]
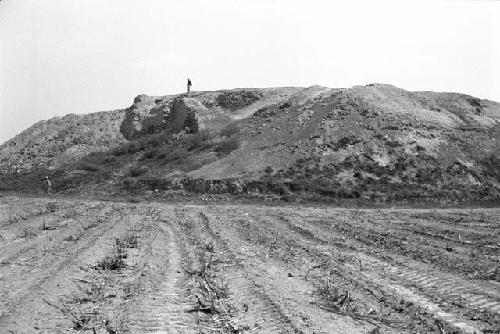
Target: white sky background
[(80, 56)]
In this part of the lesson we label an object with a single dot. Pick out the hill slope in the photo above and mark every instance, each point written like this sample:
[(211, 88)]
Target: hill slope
[(48, 143), (372, 142), (377, 122), (60, 140)]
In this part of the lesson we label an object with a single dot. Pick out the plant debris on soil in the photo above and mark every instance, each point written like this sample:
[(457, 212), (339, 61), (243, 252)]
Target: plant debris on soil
[(234, 268)]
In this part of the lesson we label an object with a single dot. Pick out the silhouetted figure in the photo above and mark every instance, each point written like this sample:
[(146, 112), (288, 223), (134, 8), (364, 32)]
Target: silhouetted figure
[(48, 186), (189, 85)]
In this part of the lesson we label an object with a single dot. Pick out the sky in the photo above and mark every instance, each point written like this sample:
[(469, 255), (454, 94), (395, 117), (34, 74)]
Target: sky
[(81, 56)]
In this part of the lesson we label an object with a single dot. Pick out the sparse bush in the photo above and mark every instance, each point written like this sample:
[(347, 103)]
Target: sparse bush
[(150, 154), (120, 150), (172, 154), (71, 213), (268, 169), (234, 100), (285, 105), (197, 140), (346, 141), (128, 241), (420, 148), (28, 233), (137, 171), (13, 220), (491, 164), (111, 262), (393, 143), (45, 227), (141, 144), (115, 260), (51, 207), (90, 225), (334, 296), (87, 166), (229, 130), (71, 238), (209, 247), (100, 159), (226, 147)]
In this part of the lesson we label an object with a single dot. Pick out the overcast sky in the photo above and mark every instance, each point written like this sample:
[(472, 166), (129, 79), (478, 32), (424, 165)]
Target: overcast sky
[(80, 56)]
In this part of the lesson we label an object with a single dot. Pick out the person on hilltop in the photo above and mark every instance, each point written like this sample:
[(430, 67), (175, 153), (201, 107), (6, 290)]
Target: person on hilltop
[(189, 84), (48, 186)]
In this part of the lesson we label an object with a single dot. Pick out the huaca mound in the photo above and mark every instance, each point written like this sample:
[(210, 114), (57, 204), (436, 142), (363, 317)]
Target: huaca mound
[(375, 142)]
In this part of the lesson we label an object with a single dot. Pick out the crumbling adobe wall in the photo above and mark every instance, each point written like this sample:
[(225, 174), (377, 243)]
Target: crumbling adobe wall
[(189, 112), (146, 115), (149, 115), (183, 114)]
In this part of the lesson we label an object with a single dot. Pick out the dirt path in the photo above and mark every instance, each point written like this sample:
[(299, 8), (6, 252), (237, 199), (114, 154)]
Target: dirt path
[(102, 267)]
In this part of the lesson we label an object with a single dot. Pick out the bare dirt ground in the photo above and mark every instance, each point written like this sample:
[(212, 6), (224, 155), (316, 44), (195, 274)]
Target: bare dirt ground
[(93, 266)]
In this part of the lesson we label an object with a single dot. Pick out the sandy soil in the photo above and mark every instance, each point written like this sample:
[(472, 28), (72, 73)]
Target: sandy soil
[(90, 266)]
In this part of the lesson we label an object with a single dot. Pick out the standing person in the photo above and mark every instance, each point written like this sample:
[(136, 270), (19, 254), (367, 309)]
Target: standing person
[(189, 85), (48, 186)]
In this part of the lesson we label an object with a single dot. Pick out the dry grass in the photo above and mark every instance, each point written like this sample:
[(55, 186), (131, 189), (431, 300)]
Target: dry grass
[(335, 298), (28, 233), (127, 241), (13, 220), (71, 238), (70, 214), (80, 321), (46, 227), (51, 207), (90, 225), (212, 292), (113, 261)]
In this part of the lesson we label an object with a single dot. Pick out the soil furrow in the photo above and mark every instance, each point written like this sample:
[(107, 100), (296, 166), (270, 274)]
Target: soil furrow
[(50, 240), (165, 268), (353, 272), (24, 283), (435, 282), (256, 310), (161, 308), (292, 293)]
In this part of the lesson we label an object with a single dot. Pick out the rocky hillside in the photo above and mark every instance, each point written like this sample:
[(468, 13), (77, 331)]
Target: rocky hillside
[(376, 123), (47, 144), (60, 140), (374, 142), (198, 110)]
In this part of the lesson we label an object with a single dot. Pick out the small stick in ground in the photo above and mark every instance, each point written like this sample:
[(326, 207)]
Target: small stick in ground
[(77, 320)]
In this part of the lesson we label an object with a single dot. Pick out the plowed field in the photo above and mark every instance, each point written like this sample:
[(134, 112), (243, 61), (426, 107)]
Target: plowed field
[(89, 266)]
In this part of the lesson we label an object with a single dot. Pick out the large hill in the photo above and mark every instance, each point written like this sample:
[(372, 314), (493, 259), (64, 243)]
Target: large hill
[(374, 142), (60, 140)]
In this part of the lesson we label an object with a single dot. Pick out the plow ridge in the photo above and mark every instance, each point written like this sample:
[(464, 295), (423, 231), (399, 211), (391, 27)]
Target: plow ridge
[(445, 284), (30, 280), (162, 309), (236, 268), (374, 266), (259, 312)]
